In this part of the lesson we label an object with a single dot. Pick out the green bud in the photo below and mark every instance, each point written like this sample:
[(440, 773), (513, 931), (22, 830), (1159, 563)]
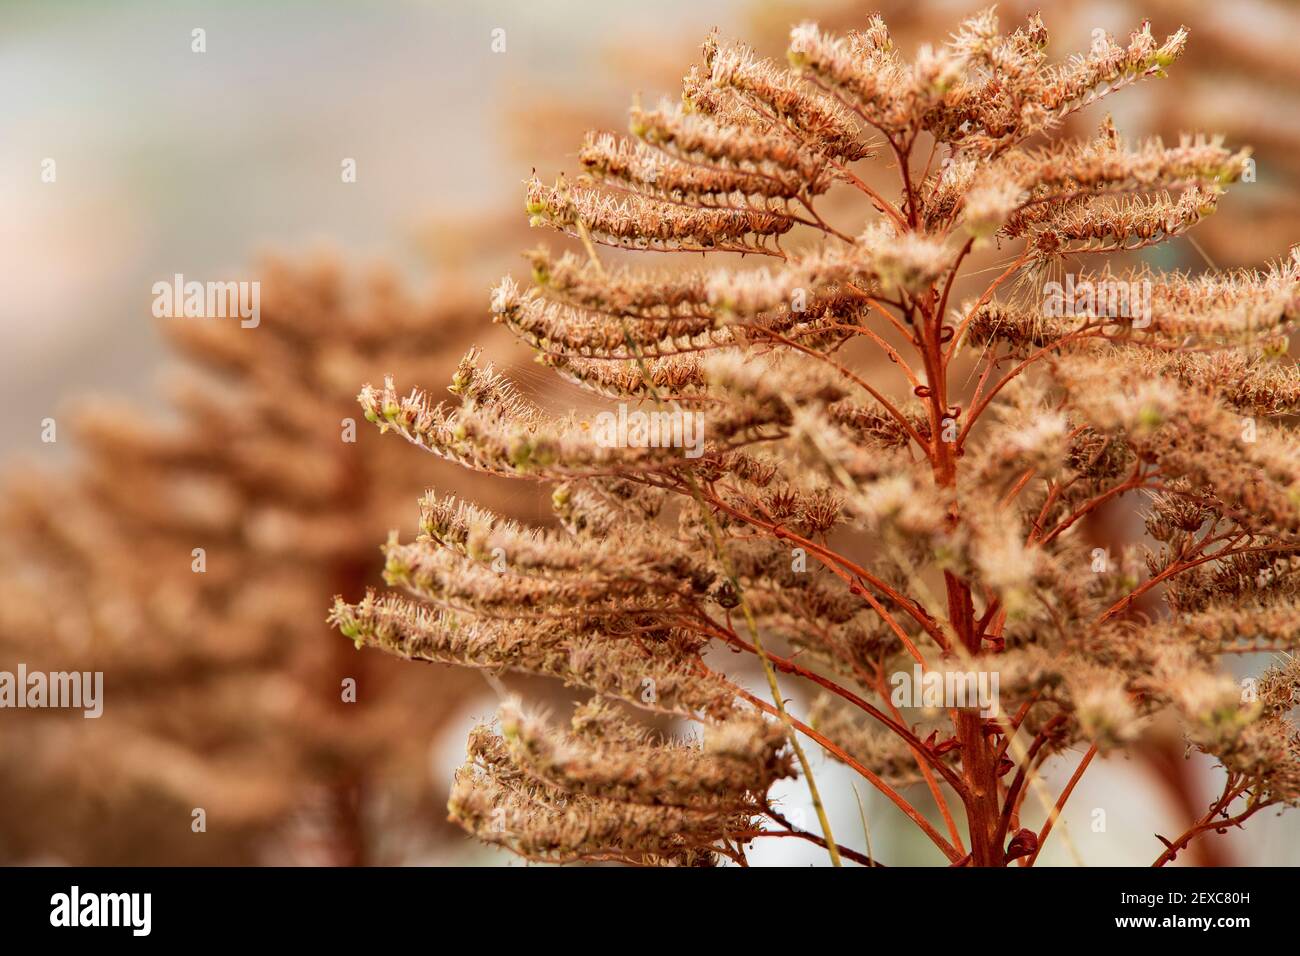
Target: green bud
[(395, 569), (521, 451), (1150, 418)]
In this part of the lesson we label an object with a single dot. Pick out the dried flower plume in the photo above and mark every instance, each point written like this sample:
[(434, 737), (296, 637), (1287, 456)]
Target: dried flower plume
[(917, 515)]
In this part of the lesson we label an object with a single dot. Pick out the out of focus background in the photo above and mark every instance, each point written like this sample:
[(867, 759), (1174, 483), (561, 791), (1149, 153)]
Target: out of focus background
[(143, 139)]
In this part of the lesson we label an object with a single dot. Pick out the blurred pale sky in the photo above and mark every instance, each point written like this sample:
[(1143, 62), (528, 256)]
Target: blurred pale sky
[(172, 161)]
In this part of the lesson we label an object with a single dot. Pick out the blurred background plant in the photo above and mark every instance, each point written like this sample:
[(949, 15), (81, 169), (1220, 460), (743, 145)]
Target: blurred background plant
[(228, 692), (186, 556)]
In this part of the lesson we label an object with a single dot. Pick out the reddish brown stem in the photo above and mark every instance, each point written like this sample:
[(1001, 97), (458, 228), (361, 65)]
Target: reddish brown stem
[(874, 779), (1060, 802)]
